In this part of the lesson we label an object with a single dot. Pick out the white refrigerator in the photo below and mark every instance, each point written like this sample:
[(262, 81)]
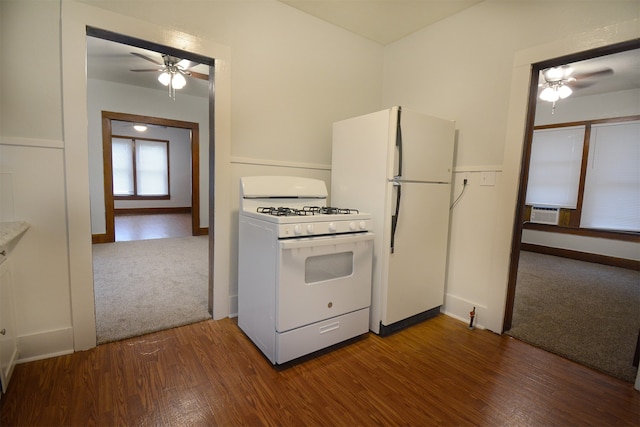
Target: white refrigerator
[(396, 164)]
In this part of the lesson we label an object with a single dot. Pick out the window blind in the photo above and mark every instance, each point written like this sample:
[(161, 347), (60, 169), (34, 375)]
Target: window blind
[(612, 185), (554, 170), (122, 164), (152, 168)]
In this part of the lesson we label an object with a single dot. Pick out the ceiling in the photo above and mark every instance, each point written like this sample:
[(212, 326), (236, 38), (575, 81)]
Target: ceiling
[(384, 21)]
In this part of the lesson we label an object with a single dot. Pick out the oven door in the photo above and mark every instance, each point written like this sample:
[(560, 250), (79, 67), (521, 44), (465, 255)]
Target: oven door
[(322, 277)]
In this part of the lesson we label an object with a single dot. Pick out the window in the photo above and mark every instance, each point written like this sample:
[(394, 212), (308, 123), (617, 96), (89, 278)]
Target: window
[(140, 168), (554, 171), (612, 186), (591, 171)]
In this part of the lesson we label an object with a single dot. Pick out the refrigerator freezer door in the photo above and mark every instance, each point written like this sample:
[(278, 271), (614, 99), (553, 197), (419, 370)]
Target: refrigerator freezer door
[(416, 269), (359, 163), (427, 147)]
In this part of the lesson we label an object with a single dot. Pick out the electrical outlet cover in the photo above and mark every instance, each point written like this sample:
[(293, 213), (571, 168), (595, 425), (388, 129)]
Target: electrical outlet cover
[(488, 178)]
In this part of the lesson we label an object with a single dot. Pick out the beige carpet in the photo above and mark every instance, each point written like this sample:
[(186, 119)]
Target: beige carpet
[(589, 313), (149, 285)]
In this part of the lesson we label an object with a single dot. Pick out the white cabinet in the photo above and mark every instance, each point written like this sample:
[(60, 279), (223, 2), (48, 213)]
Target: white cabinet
[(10, 234), (8, 341)]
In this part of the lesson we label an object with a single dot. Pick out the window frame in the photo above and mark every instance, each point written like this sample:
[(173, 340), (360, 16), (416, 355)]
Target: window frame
[(570, 218), (135, 195)]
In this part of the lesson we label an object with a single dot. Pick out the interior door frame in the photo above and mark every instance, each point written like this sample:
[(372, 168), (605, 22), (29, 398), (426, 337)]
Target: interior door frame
[(109, 204), (526, 154)]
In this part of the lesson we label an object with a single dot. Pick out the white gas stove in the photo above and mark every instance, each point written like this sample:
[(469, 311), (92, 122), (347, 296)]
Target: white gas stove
[(304, 269)]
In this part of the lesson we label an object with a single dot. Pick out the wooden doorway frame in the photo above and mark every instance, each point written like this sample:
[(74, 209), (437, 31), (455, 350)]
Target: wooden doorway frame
[(526, 154), (107, 117)]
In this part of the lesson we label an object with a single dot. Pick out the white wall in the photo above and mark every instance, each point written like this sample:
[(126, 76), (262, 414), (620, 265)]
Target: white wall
[(35, 179), (32, 155), (292, 74), (31, 103), (108, 96), (592, 245), (474, 68)]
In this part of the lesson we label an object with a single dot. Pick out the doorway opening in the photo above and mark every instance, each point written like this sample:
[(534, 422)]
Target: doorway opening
[(567, 224), (115, 85)]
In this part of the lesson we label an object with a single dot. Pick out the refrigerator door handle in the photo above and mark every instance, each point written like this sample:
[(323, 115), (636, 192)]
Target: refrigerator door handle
[(394, 218), (399, 142), (396, 183)]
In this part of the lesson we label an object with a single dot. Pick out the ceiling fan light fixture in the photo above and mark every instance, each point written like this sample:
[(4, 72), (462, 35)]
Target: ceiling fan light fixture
[(140, 128), (564, 91), (549, 94), (178, 81), (164, 78)]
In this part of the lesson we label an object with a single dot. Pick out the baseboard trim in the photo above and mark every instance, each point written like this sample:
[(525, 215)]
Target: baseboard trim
[(45, 345), (386, 330), (233, 306), (460, 308), (152, 211), (583, 256), (99, 238)]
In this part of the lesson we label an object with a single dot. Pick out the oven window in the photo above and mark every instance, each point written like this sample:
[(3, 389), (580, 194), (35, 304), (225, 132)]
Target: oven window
[(327, 267)]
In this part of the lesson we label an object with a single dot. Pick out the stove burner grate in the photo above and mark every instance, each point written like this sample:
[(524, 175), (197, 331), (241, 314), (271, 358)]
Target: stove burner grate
[(282, 211), (328, 210), (307, 210)]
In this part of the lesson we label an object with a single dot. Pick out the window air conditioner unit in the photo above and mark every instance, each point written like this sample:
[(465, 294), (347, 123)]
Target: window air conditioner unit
[(541, 215)]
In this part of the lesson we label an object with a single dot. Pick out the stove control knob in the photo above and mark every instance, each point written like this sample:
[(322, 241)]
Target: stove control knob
[(297, 229), (332, 227), (310, 229), (363, 225), (352, 226)]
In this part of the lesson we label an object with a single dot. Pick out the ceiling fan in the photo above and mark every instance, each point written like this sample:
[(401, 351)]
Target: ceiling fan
[(172, 71), (559, 82)]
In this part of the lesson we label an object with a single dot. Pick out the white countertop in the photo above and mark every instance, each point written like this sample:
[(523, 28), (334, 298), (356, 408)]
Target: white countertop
[(12, 231)]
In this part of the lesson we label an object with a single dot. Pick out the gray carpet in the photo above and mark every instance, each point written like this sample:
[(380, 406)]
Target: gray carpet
[(589, 313), (149, 285)]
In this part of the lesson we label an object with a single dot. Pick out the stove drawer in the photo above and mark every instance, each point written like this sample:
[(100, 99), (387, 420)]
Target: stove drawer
[(302, 341), (321, 278)]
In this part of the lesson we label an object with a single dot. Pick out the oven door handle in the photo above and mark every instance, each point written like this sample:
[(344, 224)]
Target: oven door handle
[(341, 239)]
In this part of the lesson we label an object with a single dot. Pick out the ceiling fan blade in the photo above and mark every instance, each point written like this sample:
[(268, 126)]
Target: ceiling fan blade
[(139, 55), (599, 73), (580, 85), (148, 69), (185, 64), (197, 75)]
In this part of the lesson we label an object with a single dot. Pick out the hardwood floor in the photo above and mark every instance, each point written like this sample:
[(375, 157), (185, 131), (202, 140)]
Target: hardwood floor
[(152, 226), (209, 373)]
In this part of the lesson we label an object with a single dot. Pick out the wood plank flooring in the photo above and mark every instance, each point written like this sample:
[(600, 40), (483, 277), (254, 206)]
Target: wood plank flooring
[(209, 373), (152, 226)]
